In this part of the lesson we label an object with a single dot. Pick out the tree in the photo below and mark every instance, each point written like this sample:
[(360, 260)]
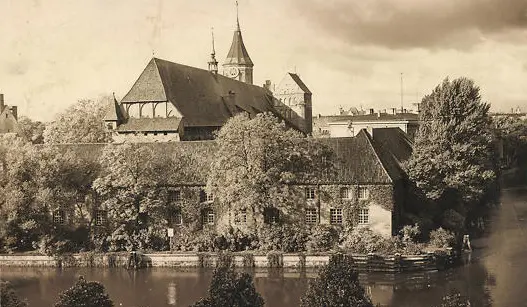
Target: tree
[(133, 185), (8, 297), (30, 130), (258, 160), (453, 160), (228, 288), (511, 131), (80, 123), (337, 284), (85, 294)]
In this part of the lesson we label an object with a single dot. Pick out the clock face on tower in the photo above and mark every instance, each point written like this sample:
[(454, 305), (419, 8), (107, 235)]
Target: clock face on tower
[(233, 72)]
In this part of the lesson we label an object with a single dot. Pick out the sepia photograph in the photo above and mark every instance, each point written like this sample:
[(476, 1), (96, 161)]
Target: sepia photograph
[(250, 153)]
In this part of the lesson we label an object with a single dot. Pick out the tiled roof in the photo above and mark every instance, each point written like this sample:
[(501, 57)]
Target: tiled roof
[(360, 160), (300, 83), (115, 113), (395, 141), (150, 124), (202, 97)]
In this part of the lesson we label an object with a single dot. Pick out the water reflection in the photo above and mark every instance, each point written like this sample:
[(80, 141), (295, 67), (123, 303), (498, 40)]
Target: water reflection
[(171, 287)]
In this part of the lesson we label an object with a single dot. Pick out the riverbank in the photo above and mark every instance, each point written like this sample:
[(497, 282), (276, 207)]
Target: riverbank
[(362, 263)]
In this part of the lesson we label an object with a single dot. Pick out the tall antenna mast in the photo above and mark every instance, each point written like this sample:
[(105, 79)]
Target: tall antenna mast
[(402, 101)]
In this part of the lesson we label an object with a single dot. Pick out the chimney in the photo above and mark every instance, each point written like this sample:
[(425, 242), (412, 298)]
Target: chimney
[(2, 105), (372, 111), (394, 111), (379, 113), (267, 85), (14, 111)]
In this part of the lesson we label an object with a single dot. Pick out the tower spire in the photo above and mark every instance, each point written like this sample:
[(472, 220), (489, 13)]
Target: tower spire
[(213, 63), (237, 18)]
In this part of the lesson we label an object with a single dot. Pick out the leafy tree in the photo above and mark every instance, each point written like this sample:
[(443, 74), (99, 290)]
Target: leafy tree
[(31, 130), (85, 294), (257, 161), (337, 285), (80, 123), (512, 132), (8, 297), (228, 288), (453, 161), (133, 188)]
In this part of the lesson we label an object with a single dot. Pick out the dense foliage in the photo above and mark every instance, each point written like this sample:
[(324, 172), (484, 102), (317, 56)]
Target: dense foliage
[(8, 297), (337, 285), (453, 161), (255, 160), (30, 130), (85, 294), (228, 288), (454, 299), (80, 123)]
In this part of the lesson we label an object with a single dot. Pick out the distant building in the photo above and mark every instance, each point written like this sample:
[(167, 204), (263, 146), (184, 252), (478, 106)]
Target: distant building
[(8, 117), (175, 102), (350, 125)]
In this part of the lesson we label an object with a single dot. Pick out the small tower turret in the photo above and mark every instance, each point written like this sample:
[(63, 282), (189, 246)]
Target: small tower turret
[(213, 63)]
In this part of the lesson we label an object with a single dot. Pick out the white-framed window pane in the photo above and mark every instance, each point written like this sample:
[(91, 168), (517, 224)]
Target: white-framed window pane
[(311, 216), (59, 217), (364, 193), (345, 193), (310, 193), (100, 217), (335, 216), (208, 217), (210, 197), (363, 217), (241, 217)]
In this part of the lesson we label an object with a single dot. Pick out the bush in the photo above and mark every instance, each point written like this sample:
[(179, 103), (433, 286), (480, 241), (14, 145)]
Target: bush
[(336, 285), (8, 297), (235, 240), (228, 288), (323, 238), (286, 238), (364, 241), (454, 299), (441, 238), (85, 294)]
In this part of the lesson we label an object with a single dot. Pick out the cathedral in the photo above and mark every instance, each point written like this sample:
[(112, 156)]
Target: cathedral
[(176, 102)]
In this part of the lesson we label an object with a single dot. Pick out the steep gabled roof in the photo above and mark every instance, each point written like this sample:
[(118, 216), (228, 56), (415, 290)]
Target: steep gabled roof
[(395, 141), (358, 161), (115, 113), (203, 98), (300, 83), (238, 53)]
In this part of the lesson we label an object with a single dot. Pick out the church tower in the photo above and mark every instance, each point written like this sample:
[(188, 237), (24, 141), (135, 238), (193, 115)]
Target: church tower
[(213, 64), (238, 65)]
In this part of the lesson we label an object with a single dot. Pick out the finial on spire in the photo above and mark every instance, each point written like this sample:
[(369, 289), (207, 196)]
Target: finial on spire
[(237, 19), (213, 50)]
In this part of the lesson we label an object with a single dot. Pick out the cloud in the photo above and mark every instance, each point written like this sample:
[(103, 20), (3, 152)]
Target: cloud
[(431, 24)]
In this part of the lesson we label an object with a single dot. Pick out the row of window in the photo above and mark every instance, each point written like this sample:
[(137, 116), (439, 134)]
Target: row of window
[(310, 194), (59, 217), (345, 193), (271, 216)]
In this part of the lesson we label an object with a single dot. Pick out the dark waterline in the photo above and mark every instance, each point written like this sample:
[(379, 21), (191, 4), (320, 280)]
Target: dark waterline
[(495, 272)]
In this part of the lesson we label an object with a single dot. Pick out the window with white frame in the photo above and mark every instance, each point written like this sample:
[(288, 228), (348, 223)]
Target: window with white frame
[(345, 193), (100, 217), (207, 216), (240, 217), (206, 197), (311, 216), (363, 217), (271, 215), (364, 193), (59, 217), (335, 216), (310, 193), (174, 195), (210, 196), (176, 218)]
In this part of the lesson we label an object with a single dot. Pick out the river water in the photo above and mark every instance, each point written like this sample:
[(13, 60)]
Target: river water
[(495, 272)]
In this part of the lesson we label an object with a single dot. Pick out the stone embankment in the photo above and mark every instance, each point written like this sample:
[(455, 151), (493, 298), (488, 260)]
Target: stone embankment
[(363, 263)]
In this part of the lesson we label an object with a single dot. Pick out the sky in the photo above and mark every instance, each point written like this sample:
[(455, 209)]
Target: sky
[(348, 52)]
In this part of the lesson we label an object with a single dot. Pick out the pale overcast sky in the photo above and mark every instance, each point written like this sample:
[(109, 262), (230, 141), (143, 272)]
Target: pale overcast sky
[(348, 52)]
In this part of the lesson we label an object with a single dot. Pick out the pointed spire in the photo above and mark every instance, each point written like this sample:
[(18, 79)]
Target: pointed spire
[(237, 18), (213, 63)]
